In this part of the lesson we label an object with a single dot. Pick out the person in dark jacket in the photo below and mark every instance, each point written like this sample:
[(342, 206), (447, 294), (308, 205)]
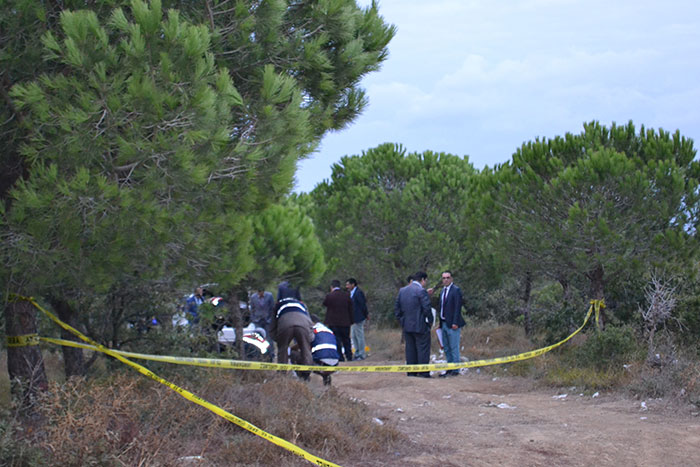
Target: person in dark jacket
[(291, 321), (412, 309), (360, 315), (324, 350), (451, 320), (339, 318)]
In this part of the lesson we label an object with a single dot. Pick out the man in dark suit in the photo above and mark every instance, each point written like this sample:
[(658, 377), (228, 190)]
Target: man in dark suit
[(412, 309), (360, 314), (451, 320), (339, 318)]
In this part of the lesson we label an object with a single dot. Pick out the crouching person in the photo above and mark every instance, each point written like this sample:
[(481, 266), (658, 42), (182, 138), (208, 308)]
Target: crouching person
[(324, 350), (291, 322)]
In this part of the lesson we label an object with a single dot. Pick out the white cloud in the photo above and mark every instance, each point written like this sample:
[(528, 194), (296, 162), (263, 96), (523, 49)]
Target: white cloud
[(481, 78)]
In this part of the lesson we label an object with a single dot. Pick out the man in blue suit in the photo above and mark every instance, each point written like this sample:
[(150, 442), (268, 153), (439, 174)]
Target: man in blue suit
[(451, 320), (360, 315), (412, 309)]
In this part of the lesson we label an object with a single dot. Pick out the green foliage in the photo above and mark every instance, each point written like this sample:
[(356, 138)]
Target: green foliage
[(15, 451), (613, 347), (152, 134), (385, 214), (286, 246), (599, 207)]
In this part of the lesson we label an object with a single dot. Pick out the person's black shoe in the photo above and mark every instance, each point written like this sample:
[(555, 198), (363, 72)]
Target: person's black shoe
[(445, 375)]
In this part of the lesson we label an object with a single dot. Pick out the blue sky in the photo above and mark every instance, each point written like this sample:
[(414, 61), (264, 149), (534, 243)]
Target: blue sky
[(480, 78)]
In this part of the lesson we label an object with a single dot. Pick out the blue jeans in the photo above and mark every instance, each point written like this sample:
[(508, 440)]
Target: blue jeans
[(450, 342), (357, 331)]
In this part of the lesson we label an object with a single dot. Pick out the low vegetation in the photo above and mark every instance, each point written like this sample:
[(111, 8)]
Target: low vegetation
[(117, 417)]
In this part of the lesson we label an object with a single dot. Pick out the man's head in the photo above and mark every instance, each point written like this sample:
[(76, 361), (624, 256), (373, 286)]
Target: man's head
[(447, 278), (261, 292), (350, 283), (335, 284), (198, 291), (421, 277)]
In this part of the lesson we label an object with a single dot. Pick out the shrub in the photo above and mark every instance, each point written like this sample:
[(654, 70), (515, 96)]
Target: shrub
[(612, 347), (15, 449)]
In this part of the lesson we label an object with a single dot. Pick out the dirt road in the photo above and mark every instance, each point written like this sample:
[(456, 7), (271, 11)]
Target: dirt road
[(476, 419)]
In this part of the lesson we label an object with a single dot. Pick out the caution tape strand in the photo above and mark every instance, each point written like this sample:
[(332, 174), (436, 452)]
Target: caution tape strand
[(595, 306), (185, 393)]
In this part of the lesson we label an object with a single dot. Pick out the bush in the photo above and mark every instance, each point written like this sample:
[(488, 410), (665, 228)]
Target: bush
[(612, 347), (15, 449)]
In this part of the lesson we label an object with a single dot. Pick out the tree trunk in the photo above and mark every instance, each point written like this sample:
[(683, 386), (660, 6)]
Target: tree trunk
[(25, 365), (566, 303), (527, 295), (595, 277), (237, 321), (74, 364)]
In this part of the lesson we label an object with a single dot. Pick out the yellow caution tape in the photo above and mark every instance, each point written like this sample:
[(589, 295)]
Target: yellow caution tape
[(597, 305), (247, 365), (186, 394), (23, 341)]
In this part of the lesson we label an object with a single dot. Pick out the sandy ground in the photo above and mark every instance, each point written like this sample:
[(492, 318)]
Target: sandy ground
[(477, 419)]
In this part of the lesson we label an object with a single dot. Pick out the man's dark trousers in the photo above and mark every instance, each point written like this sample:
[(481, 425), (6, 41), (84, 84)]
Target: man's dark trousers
[(417, 350), (342, 337)]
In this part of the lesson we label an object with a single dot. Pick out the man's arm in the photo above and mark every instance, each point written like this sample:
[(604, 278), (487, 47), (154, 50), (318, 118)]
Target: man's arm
[(398, 312), (362, 302), (425, 307), (350, 310)]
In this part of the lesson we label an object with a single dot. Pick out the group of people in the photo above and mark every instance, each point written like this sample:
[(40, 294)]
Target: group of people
[(288, 321), (413, 310)]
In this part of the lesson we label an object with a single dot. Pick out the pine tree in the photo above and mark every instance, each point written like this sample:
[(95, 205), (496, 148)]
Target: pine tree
[(143, 144), (386, 214), (602, 206)]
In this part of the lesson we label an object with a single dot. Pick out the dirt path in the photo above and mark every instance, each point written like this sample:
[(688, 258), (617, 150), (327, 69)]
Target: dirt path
[(476, 419)]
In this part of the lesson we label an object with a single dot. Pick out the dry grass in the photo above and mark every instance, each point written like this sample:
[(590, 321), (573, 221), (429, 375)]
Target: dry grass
[(385, 344), (126, 419), (122, 418)]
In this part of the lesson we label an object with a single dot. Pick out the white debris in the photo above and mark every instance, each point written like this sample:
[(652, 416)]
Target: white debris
[(191, 459), (449, 396), (642, 418), (495, 378), (643, 406), (503, 405), (377, 421), (399, 410), (596, 394), (560, 396)]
